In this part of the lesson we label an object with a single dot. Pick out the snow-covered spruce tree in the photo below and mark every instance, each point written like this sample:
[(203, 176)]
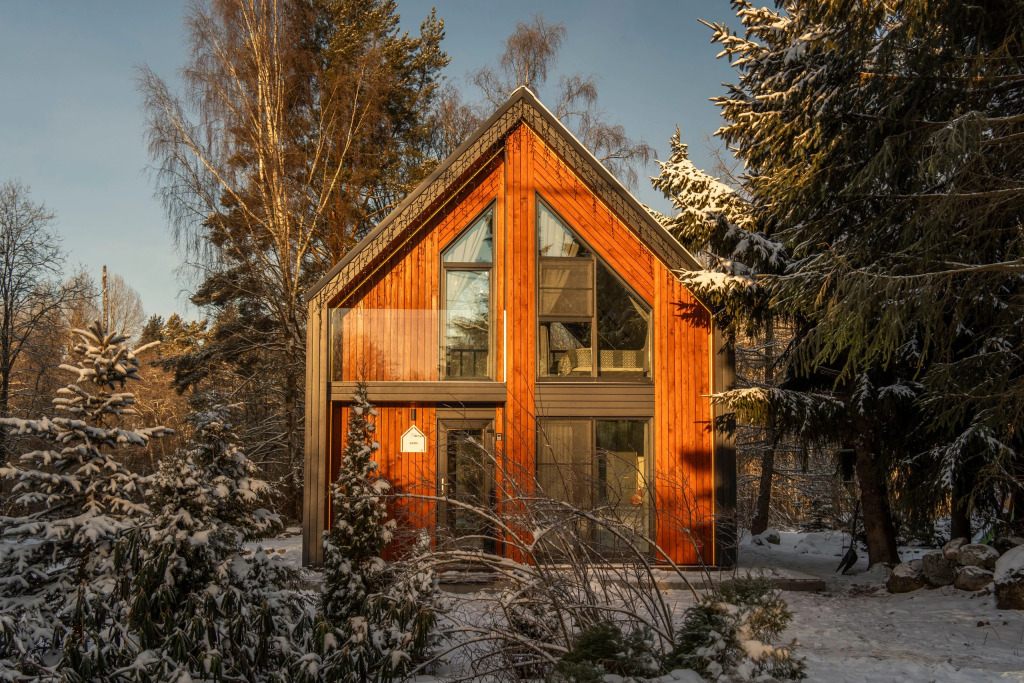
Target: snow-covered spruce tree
[(730, 634), (376, 617), (60, 604), (199, 606), (825, 95), (717, 225), (883, 141)]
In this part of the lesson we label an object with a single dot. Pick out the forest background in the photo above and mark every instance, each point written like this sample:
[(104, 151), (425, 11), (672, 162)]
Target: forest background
[(823, 402)]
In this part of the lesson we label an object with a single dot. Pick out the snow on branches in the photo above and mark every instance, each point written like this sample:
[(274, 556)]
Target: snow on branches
[(58, 584), (195, 595), (715, 223)]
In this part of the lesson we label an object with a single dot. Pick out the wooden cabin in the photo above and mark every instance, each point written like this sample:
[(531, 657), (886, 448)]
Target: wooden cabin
[(521, 302)]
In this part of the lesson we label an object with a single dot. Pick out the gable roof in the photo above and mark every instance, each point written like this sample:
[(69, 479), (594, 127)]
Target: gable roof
[(481, 147)]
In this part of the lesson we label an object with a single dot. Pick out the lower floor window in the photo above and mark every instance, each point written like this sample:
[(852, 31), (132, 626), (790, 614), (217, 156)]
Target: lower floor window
[(601, 467)]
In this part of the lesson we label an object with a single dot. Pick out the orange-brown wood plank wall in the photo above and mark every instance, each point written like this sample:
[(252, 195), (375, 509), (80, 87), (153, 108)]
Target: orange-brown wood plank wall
[(410, 474), (520, 425), (683, 440), (393, 334)]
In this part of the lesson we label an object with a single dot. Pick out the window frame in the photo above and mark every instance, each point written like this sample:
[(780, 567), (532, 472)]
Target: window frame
[(444, 268), (597, 261)]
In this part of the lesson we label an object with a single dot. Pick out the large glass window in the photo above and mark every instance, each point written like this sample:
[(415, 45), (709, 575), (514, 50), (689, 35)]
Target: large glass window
[(582, 307), (601, 467), (467, 293)]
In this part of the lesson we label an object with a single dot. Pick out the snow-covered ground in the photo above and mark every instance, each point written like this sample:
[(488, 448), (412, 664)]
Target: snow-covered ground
[(855, 631), (287, 547)]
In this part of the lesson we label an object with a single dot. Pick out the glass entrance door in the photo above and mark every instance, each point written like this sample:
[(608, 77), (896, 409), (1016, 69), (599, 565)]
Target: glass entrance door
[(465, 484)]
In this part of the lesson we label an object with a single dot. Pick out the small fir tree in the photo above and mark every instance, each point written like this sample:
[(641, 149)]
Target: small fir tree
[(200, 607), (353, 566), (376, 617), (60, 607)]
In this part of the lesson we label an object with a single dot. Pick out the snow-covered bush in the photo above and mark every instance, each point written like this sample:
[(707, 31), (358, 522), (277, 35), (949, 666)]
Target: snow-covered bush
[(728, 636), (199, 606), (564, 570), (529, 623), (376, 617), (60, 602), (604, 649)]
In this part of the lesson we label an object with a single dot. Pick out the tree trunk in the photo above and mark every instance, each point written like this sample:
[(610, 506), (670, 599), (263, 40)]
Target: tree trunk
[(874, 497), (759, 524), (294, 426), (5, 406), (960, 511)]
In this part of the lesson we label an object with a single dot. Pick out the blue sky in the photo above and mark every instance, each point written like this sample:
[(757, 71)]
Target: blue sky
[(71, 126)]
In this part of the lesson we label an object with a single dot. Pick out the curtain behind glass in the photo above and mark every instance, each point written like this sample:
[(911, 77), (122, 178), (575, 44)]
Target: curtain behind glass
[(475, 245)]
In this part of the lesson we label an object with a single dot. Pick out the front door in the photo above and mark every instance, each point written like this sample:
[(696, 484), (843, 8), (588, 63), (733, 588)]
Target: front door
[(465, 485)]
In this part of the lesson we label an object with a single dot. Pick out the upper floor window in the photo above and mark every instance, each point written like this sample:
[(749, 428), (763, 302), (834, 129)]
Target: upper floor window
[(582, 306), (466, 278)]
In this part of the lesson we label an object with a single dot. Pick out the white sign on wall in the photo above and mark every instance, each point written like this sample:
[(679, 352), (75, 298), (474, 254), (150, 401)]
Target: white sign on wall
[(414, 441)]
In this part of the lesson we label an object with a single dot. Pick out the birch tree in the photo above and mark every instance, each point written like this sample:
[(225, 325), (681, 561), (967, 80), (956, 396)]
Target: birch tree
[(32, 293), (285, 145)]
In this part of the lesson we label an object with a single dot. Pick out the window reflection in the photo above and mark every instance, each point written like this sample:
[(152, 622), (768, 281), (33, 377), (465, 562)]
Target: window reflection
[(475, 244), (467, 292), (599, 466), (467, 332), (623, 329), (583, 306)]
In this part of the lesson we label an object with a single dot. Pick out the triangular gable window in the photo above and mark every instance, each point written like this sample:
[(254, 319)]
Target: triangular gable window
[(555, 239), (474, 246)]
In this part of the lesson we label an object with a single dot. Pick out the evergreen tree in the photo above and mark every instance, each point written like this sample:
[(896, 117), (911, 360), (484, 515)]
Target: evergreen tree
[(199, 606), (882, 142), (360, 530), (60, 604), (153, 330), (376, 617)]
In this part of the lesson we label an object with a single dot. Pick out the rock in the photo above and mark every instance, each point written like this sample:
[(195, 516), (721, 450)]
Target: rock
[(1009, 578), (906, 577), (977, 555), (772, 536), (949, 550), (972, 578), (1005, 544), (937, 570)]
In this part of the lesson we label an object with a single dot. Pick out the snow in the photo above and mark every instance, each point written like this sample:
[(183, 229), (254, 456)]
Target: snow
[(856, 631), (285, 548), (1010, 566)]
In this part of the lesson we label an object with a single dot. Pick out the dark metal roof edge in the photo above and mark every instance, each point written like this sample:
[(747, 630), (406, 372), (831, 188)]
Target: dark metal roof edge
[(519, 94)]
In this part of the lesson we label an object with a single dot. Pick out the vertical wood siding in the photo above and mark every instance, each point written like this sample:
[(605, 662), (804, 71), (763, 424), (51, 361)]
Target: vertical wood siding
[(393, 333), (682, 435), (683, 440)]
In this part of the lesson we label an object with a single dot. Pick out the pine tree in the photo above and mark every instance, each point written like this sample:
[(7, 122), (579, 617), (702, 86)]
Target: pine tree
[(200, 607), (60, 604), (376, 617)]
